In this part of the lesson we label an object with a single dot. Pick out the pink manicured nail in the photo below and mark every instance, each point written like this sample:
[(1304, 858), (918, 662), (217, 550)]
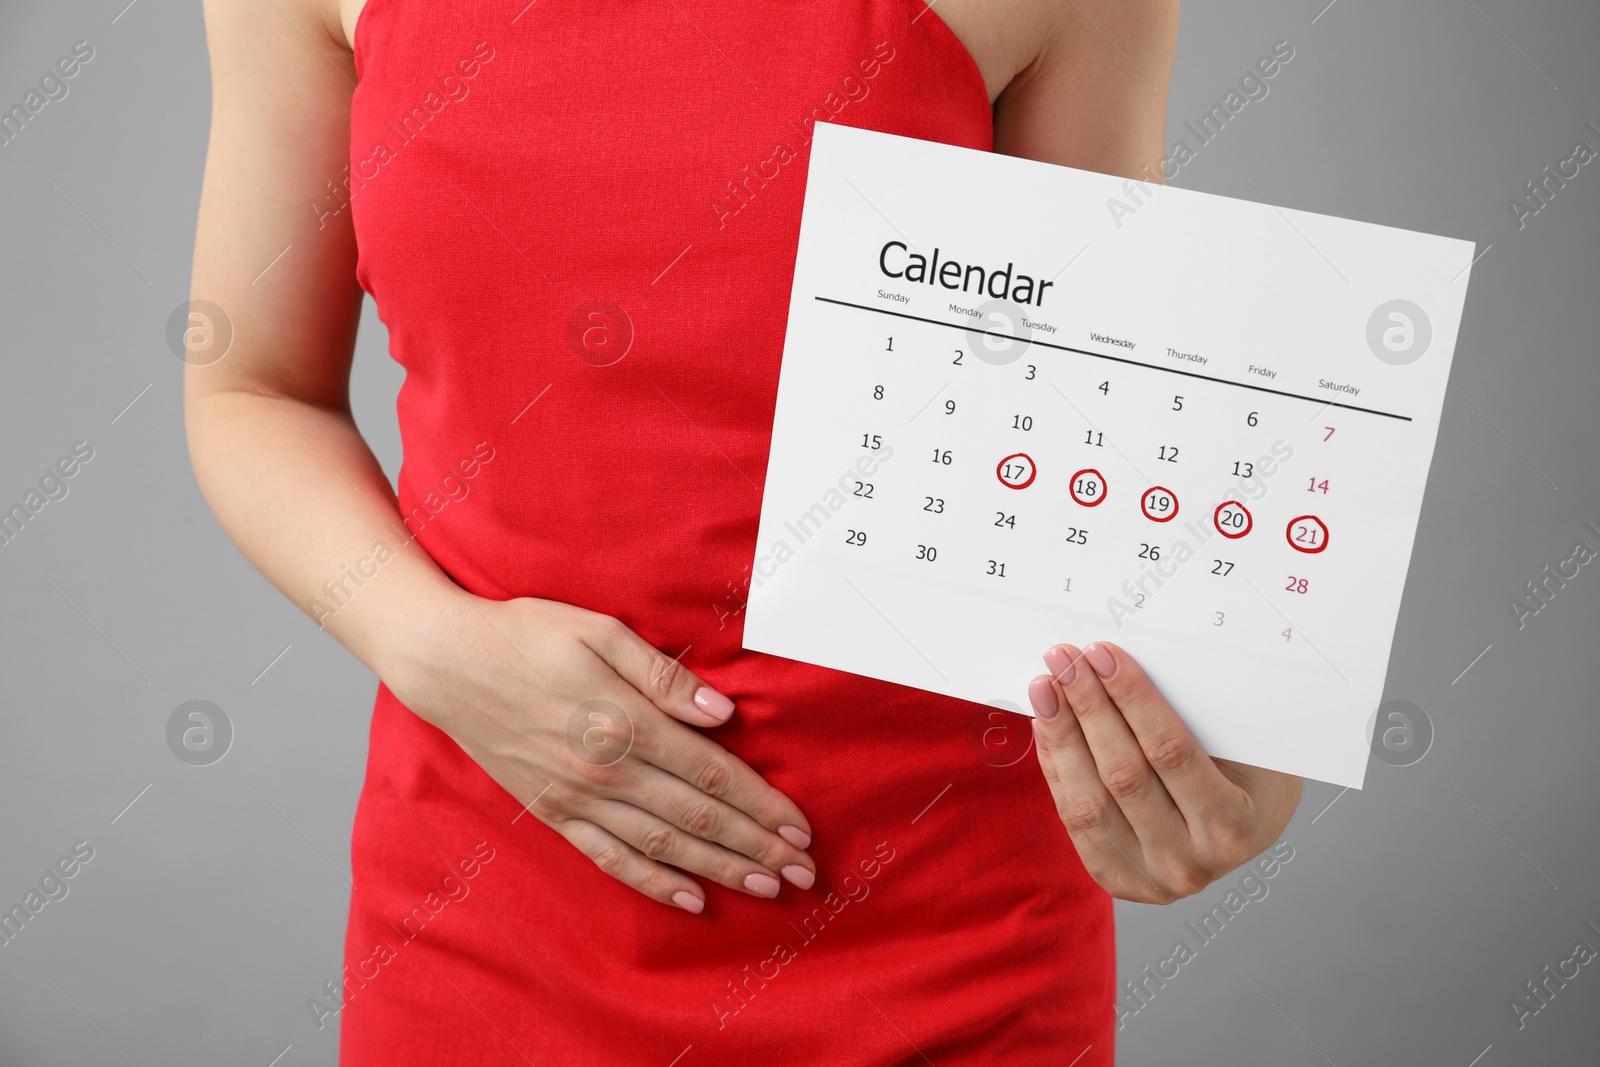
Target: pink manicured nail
[(762, 885), (795, 836), (1043, 697), (1100, 659), (1060, 665), (688, 902), (800, 876), (713, 703)]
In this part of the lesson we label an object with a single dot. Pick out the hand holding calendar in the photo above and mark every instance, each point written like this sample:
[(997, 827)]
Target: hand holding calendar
[(1152, 817), (1023, 404)]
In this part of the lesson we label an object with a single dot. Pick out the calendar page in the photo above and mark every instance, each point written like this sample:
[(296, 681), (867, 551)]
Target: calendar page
[(1022, 404)]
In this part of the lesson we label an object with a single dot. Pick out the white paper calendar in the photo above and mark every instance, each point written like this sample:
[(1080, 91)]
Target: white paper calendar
[(1022, 404)]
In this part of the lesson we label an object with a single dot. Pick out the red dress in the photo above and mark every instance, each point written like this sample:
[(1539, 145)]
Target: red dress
[(579, 222)]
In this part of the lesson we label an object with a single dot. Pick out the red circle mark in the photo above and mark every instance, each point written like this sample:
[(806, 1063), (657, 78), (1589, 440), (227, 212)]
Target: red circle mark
[(1249, 520), (1073, 487), (1159, 489), (1033, 470), (1288, 533)]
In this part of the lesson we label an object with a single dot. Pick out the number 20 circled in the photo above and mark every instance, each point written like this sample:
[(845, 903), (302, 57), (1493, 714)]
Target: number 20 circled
[(1228, 517)]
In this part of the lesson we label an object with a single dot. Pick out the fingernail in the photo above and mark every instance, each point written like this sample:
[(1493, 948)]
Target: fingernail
[(762, 885), (688, 902), (1060, 665), (795, 836), (1043, 697), (800, 876), (1100, 659), (713, 703)]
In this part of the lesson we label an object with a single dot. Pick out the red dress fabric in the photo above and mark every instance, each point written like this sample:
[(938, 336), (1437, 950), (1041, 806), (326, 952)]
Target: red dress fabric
[(537, 190)]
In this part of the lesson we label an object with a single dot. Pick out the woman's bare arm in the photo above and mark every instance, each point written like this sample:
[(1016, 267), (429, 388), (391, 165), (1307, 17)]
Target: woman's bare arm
[(271, 436), (1153, 816), (278, 456)]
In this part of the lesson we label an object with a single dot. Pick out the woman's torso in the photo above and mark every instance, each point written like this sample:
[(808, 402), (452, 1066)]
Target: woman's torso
[(579, 230)]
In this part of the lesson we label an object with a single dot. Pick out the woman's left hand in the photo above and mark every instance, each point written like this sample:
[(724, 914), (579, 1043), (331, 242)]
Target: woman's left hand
[(1154, 817)]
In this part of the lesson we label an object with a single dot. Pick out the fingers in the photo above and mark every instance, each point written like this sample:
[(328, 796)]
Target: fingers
[(1118, 758), (1212, 806), (705, 817), (661, 679), (652, 762), (660, 840), (631, 867), (1105, 841), (710, 769)]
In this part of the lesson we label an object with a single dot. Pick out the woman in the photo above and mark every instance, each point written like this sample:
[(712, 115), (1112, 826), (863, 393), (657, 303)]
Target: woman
[(594, 829)]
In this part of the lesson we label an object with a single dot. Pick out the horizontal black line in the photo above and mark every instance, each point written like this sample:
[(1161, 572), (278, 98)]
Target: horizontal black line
[(1120, 359)]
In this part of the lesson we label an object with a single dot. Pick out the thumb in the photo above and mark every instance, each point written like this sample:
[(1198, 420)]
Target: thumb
[(659, 678)]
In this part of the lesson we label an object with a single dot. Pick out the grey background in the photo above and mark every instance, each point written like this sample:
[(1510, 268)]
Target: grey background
[(214, 904)]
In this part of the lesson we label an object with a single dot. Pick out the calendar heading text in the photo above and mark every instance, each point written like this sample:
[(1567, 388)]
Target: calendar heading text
[(998, 284)]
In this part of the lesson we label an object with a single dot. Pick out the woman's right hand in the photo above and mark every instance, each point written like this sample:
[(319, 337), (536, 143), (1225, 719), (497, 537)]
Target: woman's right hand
[(590, 728)]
